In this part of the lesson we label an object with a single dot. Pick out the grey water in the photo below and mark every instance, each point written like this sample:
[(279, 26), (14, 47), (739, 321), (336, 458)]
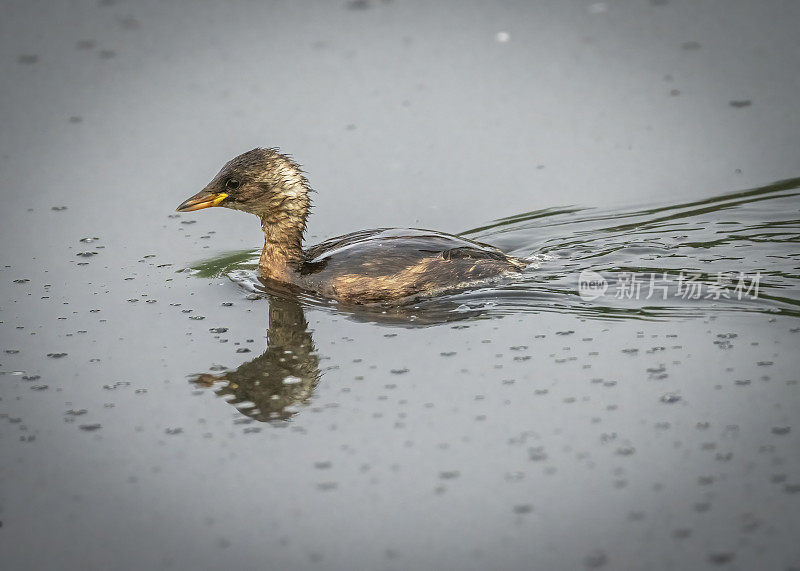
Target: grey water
[(630, 402)]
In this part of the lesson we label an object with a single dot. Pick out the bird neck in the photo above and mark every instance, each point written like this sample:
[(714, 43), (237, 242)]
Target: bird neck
[(283, 228), (283, 251)]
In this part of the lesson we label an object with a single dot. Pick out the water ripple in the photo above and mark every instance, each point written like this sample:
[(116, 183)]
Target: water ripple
[(710, 245)]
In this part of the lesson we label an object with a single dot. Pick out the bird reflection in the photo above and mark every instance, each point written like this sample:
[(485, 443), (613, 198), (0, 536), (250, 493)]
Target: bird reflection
[(271, 387), (275, 385)]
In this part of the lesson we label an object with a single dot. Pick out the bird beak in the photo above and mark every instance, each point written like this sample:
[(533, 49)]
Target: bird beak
[(202, 199)]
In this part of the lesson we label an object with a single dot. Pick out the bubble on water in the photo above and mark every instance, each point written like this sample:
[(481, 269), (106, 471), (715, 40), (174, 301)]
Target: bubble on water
[(502, 37), (670, 398), (721, 558), (537, 454)]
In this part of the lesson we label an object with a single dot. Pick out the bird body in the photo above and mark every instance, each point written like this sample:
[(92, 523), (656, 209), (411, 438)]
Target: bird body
[(385, 265)]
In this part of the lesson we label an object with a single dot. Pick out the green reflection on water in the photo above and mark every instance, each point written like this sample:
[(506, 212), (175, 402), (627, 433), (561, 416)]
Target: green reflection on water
[(226, 262)]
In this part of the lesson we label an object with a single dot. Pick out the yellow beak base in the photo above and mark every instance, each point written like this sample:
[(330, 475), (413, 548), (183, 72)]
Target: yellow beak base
[(202, 199)]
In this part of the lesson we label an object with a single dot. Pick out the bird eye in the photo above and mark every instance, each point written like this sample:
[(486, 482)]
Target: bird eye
[(232, 184)]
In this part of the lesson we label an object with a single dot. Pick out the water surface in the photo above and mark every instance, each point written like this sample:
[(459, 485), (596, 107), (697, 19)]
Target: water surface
[(160, 407)]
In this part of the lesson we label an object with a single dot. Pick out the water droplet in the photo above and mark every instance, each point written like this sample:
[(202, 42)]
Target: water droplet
[(670, 398), (537, 454), (720, 558)]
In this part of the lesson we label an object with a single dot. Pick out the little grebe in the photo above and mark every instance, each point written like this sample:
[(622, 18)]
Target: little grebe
[(371, 266)]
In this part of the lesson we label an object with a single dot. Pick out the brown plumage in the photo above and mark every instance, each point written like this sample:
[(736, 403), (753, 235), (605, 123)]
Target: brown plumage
[(387, 265)]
